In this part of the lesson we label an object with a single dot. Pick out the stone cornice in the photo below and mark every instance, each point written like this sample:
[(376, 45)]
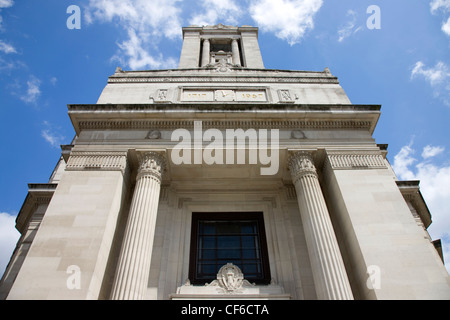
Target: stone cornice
[(411, 193), (161, 116), (234, 75), (232, 78), (38, 194)]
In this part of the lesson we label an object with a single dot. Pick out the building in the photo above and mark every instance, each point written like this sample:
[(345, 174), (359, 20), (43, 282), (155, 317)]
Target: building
[(258, 183)]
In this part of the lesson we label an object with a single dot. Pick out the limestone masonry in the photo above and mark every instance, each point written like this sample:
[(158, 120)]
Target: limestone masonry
[(224, 180)]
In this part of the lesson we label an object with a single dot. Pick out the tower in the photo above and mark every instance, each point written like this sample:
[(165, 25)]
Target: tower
[(260, 183)]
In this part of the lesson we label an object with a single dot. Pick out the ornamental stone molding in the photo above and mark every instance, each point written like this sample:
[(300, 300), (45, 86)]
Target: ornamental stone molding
[(151, 164), (108, 161), (120, 78), (301, 163), (163, 124), (355, 160), (230, 279)]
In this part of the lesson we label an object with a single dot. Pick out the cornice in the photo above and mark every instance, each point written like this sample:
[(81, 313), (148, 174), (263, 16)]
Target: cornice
[(162, 116), (411, 193), (233, 75), (221, 78), (38, 194)]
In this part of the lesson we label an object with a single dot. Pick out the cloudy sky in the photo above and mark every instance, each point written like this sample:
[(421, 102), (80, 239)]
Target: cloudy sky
[(397, 56)]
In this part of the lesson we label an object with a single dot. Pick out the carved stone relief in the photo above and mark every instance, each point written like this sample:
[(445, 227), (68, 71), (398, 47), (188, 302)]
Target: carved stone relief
[(230, 279)]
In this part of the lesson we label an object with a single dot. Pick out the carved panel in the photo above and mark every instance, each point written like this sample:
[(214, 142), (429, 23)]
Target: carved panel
[(285, 96), (342, 161), (113, 161), (223, 95)]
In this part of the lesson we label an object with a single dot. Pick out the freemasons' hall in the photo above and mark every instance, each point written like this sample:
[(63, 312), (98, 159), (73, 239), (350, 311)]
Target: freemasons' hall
[(222, 179)]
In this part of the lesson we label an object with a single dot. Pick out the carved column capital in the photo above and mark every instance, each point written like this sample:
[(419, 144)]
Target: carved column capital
[(152, 164), (301, 163)]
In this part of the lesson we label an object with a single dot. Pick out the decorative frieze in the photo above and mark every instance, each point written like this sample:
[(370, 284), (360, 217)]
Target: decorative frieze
[(166, 124), (232, 79), (109, 161), (356, 160)]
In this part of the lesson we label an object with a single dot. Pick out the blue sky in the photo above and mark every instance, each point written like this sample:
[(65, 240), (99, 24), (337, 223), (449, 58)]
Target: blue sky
[(404, 66)]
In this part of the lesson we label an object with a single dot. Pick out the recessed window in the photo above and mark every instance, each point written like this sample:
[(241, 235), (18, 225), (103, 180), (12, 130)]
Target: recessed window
[(221, 238)]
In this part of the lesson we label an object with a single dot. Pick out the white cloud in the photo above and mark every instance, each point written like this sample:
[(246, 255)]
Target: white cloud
[(446, 27), (138, 56), (6, 48), (438, 77), (8, 239), (6, 3), (433, 75), (288, 19), (51, 136), (402, 161), (434, 186), (444, 6), (349, 28), (436, 5), (430, 151), (215, 11), (33, 91), (145, 23)]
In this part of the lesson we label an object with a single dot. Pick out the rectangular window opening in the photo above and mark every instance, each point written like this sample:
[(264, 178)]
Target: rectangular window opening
[(221, 238)]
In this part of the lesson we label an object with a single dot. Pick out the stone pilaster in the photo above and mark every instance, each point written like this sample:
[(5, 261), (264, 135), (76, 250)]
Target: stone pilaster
[(328, 268), (205, 53), (135, 257), (235, 52)]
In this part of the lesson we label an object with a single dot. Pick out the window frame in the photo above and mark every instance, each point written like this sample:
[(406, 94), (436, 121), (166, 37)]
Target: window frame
[(228, 216)]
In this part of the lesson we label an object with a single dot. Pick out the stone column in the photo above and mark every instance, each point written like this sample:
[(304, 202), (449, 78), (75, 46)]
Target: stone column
[(328, 268), (133, 270), (235, 52), (205, 52)]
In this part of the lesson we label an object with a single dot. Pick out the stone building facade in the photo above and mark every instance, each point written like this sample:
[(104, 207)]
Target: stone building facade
[(223, 179)]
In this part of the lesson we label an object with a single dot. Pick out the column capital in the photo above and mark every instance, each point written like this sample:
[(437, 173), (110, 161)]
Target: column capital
[(151, 163), (301, 163)]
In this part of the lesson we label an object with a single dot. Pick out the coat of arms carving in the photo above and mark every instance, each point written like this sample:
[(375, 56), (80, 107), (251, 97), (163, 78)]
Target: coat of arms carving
[(230, 279)]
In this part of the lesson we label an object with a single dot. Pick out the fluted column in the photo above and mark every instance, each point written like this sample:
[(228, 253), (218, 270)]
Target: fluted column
[(132, 274), (235, 52), (328, 268), (205, 52)]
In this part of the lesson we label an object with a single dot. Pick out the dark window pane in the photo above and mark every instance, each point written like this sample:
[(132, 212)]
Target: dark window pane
[(207, 242), (229, 239), (228, 242), (249, 242), (208, 228)]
